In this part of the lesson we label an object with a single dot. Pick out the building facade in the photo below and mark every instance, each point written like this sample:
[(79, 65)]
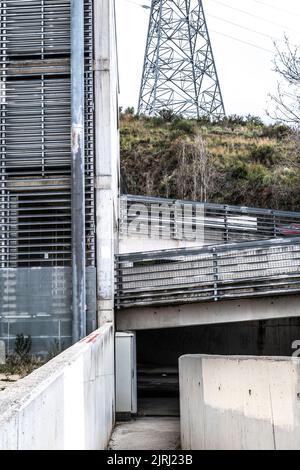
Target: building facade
[(36, 270)]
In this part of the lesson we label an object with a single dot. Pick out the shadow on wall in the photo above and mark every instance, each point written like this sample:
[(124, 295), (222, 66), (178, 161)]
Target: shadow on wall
[(164, 347)]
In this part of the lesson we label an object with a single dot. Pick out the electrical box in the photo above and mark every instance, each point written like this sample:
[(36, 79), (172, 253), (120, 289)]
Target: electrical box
[(126, 375)]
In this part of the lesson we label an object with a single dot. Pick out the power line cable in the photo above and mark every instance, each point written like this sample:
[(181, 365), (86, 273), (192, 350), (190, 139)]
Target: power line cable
[(256, 1), (242, 11), (244, 42), (242, 27), (227, 35), (276, 8), (147, 7), (255, 16)]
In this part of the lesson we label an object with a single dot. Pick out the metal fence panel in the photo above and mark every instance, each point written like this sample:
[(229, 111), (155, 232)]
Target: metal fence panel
[(158, 217), (37, 302)]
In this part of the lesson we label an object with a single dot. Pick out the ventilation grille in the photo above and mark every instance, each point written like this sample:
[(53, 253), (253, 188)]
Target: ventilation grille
[(35, 133)]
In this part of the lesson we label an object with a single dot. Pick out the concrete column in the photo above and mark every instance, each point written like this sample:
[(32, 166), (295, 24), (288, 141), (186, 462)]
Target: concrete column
[(107, 154)]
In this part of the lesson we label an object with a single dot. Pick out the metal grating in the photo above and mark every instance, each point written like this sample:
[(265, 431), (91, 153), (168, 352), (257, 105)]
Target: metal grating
[(249, 269), (35, 133)]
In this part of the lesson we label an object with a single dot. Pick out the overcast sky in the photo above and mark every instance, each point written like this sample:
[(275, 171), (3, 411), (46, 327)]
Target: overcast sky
[(245, 72)]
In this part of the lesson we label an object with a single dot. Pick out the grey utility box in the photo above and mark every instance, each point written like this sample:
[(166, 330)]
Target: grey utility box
[(126, 375)]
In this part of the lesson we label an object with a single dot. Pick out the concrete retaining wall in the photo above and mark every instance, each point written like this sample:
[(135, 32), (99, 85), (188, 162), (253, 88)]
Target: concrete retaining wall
[(68, 404), (239, 402)]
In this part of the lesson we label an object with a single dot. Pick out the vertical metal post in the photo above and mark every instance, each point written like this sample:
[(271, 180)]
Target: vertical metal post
[(216, 274), (78, 171)]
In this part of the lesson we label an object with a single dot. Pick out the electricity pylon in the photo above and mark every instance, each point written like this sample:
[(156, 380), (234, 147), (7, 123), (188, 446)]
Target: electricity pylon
[(179, 72)]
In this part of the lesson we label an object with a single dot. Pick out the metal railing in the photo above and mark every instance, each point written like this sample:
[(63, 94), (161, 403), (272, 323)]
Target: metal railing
[(249, 269), (173, 219)]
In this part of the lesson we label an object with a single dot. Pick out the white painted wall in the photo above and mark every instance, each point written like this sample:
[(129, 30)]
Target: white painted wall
[(239, 402), (68, 404)]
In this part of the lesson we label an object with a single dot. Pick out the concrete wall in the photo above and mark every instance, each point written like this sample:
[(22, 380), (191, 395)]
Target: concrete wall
[(68, 404), (239, 402)]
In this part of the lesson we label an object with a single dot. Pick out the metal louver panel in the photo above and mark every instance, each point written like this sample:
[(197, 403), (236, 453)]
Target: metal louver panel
[(37, 27), (35, 133), (37, 120)]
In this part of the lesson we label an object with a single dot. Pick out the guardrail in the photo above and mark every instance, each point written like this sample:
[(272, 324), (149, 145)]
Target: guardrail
[(174, 219), (220, 272)]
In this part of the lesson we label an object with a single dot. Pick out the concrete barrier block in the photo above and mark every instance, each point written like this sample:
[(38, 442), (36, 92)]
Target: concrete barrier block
[(239, 402)]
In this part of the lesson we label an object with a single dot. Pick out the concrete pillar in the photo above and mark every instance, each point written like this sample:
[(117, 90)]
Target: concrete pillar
[(107, 155)]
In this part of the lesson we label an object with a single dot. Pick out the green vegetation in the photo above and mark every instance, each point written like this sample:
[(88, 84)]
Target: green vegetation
[(238, 160), (16, 367), (20, 363), (23, 346)]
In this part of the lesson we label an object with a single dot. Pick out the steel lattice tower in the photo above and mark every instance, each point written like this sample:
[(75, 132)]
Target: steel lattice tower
[(179, 69)]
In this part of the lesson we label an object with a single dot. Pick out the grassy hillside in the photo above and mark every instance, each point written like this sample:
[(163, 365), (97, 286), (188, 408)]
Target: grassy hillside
[(236, 161)]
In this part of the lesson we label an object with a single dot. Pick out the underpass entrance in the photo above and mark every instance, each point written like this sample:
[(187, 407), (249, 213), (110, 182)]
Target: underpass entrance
[(158, 352)]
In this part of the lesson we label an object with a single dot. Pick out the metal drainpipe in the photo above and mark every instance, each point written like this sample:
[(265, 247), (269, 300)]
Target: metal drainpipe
[(78, 172)]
